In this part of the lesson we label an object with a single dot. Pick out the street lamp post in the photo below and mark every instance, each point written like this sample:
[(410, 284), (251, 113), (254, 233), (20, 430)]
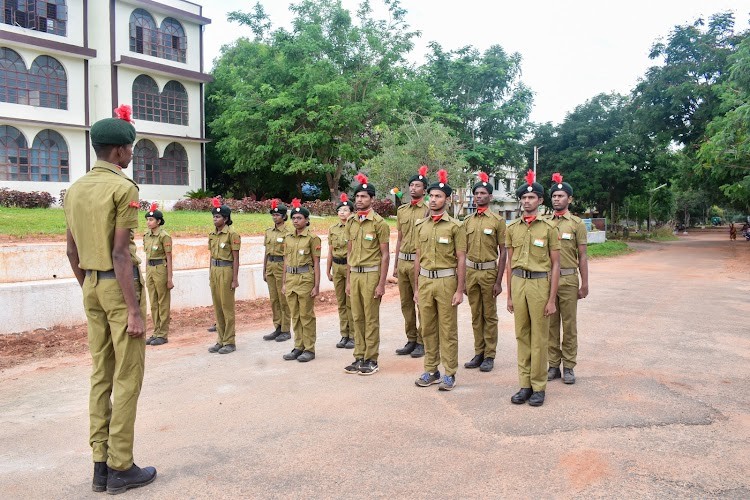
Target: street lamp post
[(650, 202), (536, 157)]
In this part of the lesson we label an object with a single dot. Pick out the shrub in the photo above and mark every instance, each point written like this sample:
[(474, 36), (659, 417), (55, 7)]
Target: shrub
[(199, 194), (21, 199), (201, 205), (384, 207)]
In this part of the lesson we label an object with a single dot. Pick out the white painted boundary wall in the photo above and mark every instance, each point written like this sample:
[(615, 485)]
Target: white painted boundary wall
[(43, 303)]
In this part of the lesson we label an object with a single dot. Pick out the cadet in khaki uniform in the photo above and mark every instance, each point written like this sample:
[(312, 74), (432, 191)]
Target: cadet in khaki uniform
[(367, 271), (336, 270), (224, 245), (403, 268), (573, 241), (533, 276), (158, 246), (485, 266), (302, 282), (440, 273), (101, 213), (273, 272)]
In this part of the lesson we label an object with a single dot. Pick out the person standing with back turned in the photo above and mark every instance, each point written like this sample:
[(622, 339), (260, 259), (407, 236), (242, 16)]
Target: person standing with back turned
[(101, 213)]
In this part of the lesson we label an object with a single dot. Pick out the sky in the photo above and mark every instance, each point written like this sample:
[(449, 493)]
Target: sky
[(571, 50)]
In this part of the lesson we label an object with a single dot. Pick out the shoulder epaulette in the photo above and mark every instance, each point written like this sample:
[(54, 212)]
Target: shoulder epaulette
[(514, 221), (419, 221)]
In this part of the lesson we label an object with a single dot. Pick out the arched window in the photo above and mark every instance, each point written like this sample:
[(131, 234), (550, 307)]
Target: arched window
[(169, 106), (174, 103), (173, 44), (48, 16), (14, 155), (145, 162), (146, 99), (14, 79), (45, 85), (48, 161), (48, 83), (173, 167), (143, 33)]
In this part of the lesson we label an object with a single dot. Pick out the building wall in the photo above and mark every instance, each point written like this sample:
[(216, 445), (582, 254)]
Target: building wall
[(72, 123)]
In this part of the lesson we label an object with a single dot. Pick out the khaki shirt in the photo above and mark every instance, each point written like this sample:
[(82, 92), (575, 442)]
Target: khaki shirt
[(337, 239), (406, 217), (157, 245), (299, 249), (366, 237), (101, 201), (484, 233), (223, 243), (532, 244), (572, 232), (439, 241), (275, 240)]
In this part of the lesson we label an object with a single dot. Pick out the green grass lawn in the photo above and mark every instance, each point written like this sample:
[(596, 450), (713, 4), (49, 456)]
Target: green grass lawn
[(607, 249), (40, 222)]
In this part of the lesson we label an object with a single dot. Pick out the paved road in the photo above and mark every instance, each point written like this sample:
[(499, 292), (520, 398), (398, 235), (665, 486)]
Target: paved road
[(661, 407)]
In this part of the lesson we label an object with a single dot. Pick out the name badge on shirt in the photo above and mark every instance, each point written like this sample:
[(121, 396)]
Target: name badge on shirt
[(566, 236), (539, 243), (444, 240), (222, 245), (279, 240), (302, 251), (488, 231), (369, 236), (155, 247)]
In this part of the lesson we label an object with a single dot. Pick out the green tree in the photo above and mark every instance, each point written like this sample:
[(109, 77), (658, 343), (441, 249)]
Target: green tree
[(416, 143), (481, 97), (725, 156), (309, 102)]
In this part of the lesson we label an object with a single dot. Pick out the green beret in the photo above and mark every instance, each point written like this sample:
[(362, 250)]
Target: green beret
[(112, 131)]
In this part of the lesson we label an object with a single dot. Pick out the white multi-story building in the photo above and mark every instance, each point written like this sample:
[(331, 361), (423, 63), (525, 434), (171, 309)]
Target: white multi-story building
[(64, 64), (504, 201)]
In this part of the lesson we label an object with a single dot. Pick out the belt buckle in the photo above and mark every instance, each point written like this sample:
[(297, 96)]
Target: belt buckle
[(526, 274), (433, 274), (360, 269)]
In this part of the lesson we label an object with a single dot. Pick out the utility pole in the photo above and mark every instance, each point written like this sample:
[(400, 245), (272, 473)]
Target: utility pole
[(536, 157), (650, 202)]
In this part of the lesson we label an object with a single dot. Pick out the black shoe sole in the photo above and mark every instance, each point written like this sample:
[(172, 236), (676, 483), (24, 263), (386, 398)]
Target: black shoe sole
[(571, 382), (421, 355), (123, 489), (98, 488), (470, 367), (540, 403), (402, 353), (486, 370)]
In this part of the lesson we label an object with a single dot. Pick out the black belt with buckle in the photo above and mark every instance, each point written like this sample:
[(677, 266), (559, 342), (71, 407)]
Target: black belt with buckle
[(529, 275), (221, 263), (297, 270), (339, 260), (110, 275), (155, 262), (275, 258)]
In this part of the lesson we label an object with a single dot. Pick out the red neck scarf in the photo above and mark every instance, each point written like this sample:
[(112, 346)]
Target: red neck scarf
[(561, 213), (436, 218), (528, 219), (363, 213), (481, 210), (415, 202)]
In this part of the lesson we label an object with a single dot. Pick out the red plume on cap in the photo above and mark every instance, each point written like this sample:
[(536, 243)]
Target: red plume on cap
[(344, 198), (557, 177), (215, 202), (442, 176), (296, 203), (484, 177), (361, 178), (153, 207), (274, 204), (124, 112), (423, 170), (530, 177)]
